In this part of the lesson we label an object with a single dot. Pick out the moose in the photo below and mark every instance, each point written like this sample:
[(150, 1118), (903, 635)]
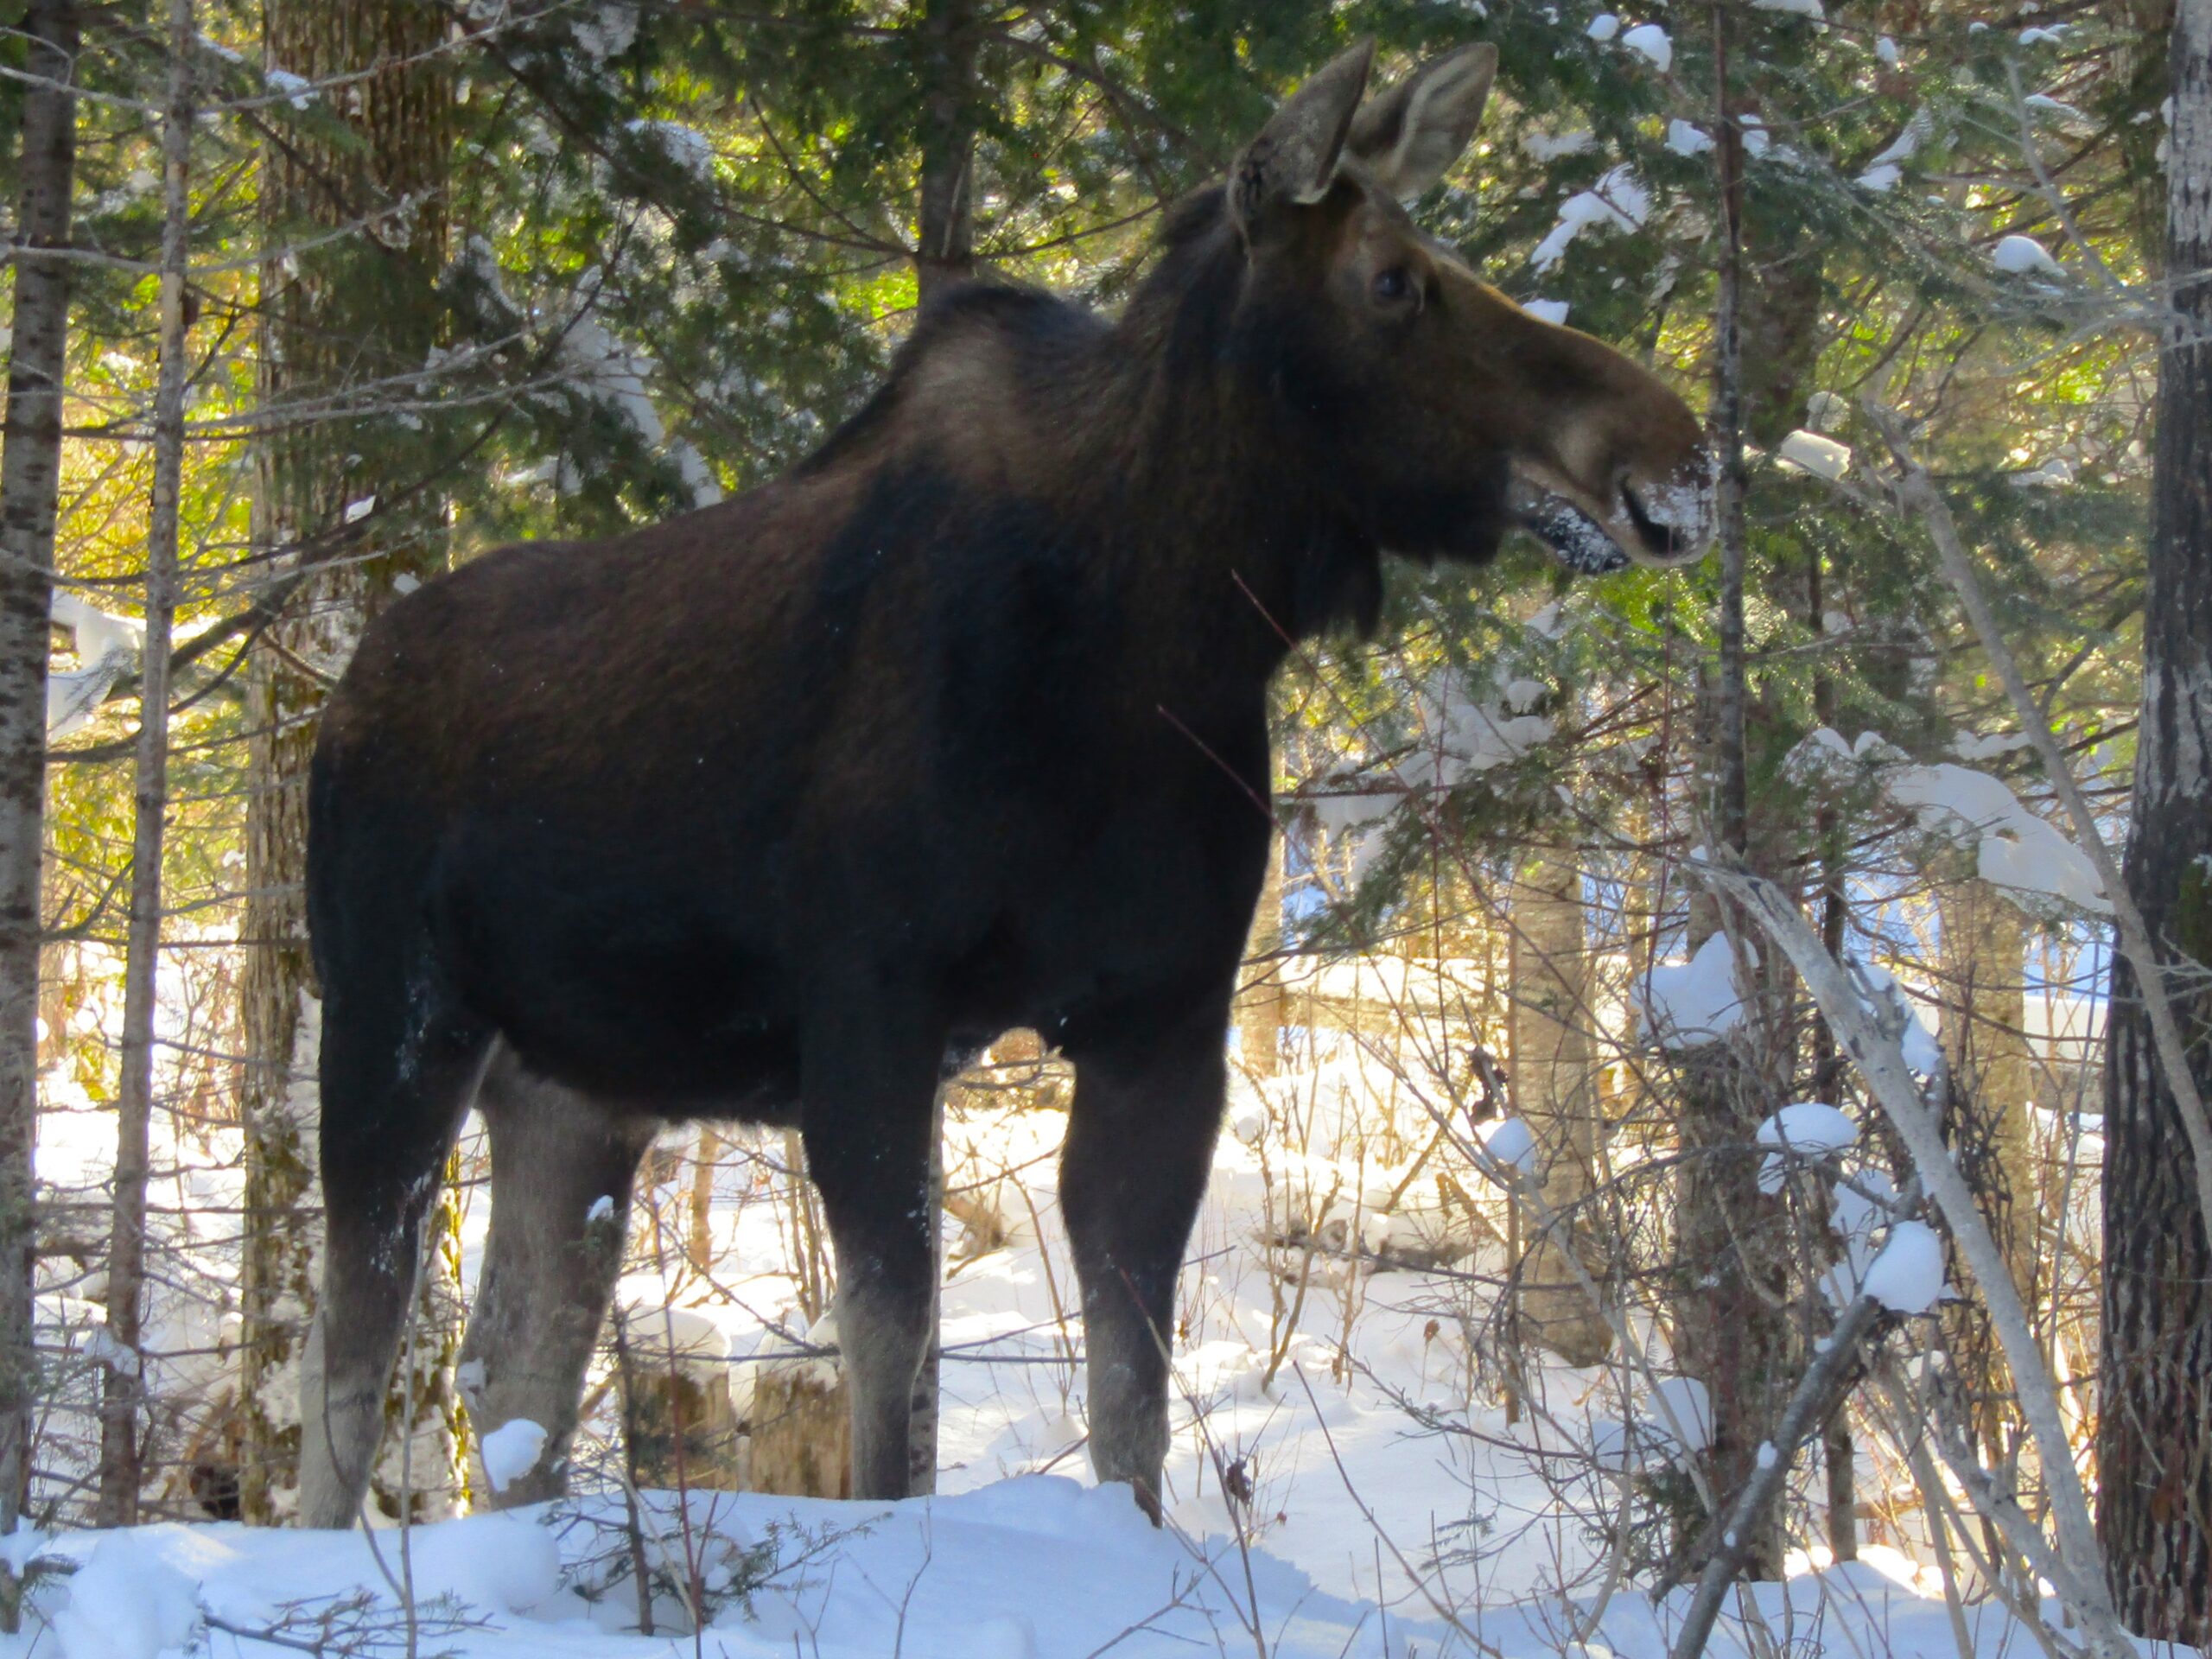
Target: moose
[(778, 811)]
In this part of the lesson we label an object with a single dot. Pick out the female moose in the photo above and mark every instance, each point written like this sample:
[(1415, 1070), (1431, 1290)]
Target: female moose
[(773, 811)]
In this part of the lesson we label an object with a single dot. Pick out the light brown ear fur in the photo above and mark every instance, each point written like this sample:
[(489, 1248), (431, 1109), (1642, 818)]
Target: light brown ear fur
[(1408, 137), (1295, 158)]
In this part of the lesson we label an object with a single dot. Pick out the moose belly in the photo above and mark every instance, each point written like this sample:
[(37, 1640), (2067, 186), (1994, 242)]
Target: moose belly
[(677, 986)]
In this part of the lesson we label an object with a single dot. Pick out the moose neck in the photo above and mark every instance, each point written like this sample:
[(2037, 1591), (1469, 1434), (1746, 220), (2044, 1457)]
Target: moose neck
[(1217, 509)]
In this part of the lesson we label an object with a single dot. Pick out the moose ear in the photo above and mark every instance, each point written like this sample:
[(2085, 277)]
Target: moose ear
[(1408, 137), (1295, 158)]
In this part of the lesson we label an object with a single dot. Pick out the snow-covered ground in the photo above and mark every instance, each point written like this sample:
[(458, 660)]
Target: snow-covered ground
[(1030, 1567), (1398, 1484)]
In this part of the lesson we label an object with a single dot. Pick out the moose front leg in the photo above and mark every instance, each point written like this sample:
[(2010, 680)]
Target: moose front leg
[(1140, 1146), (869, 1114)]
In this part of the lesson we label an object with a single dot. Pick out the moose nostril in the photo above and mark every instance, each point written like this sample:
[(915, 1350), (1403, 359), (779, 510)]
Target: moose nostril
[(1661, 538)]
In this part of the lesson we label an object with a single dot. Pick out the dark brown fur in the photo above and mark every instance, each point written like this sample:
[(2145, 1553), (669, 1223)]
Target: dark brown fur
[(775, 811)]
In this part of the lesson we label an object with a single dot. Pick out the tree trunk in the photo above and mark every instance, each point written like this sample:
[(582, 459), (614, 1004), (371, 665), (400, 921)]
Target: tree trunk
[(338, 312), (945, 254), (1259, 1004), (1554, 1073), (1990, 1078), (1985, 1048), (1729, 1331), (121, 1384), (699, 1219), (2154, 1436), (944, 250), (30, 471)]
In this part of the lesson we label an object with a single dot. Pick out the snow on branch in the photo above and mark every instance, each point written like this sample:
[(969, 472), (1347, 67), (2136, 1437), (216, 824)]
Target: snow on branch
[(1876, 1051)]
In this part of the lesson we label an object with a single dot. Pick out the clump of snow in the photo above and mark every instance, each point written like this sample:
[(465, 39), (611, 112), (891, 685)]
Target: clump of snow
[(488, 1563), (1812, 9), (1618, 200), (296, 90), (1652, 42), (1917, 131), (126, 1603), (2022, 255), (1552, 311), (600, 366), (1509, 1142), (1808, 452), (1687, 140), (2015, 849), (511, 1450), (2056, 473), (1756, 139), (1550, 146), (688, 146), (1907, 1277), (1467, 736), (107, 649), (602, 1208), (1968, 745), (1860, 1205), (1886, 50), (1687, 1004), (2036, 36), (1682, 1411), (661, 1332), (605, 30), (1810, 1129), (1603, 26), (1522, 695), (1675, 1404), (1879, 179), (1464, 735)]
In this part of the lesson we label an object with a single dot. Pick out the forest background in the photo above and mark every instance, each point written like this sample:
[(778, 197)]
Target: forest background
[(314, 299)]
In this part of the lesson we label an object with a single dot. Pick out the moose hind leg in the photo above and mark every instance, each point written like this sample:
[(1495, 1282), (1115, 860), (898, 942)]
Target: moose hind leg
[(562, 1168), (389, 1111), (868, 1098), (1140, 1146)]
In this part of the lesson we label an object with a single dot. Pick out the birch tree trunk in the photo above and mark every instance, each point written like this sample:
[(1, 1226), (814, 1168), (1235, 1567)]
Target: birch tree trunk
[(122, 1470), (1554, 1075), (339, 312), (2154, 1437), (30, 471)]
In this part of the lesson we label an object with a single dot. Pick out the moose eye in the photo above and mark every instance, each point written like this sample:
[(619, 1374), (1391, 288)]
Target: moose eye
[(1393, 286)]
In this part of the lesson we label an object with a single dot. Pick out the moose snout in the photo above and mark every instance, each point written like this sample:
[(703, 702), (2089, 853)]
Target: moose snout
[(1670, 516)]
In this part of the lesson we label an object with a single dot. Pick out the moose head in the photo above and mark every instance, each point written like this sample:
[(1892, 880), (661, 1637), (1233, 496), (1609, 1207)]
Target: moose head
[(1444, 411)]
